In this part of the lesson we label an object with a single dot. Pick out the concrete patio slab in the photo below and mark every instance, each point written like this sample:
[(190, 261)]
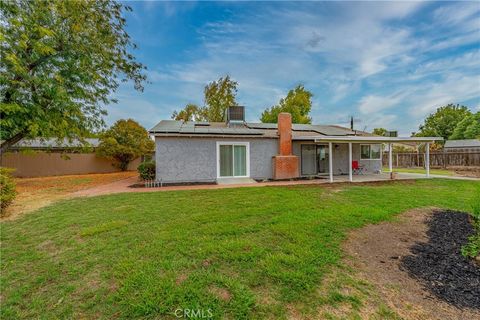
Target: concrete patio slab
[(236, 181), (124, 185)]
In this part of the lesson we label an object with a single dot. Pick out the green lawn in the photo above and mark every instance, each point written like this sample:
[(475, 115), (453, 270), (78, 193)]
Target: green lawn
[(242, 253), (442, 172)]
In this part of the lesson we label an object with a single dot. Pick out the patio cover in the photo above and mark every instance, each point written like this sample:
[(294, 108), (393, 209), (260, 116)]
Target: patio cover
[(372, 139)]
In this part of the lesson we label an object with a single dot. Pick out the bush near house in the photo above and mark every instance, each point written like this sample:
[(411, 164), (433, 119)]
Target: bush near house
[(7, 189), (146, 170), (125, 141)]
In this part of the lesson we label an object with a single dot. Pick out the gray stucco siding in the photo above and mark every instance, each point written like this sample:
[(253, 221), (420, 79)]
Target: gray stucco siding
[(190, 159)]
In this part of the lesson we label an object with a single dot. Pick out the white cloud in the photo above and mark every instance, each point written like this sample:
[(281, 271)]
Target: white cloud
[(458, 14), (354, 57), (372, 104), (453, 89), (380, 120), (466, 62)]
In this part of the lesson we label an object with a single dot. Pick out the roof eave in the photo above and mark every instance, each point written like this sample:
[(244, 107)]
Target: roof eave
[(376, 139)]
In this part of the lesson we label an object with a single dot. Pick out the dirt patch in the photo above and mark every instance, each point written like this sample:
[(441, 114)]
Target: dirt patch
[(206, 263), (221, 293), (472, 172), (49, 247), (439, 264), (181, 279), (377, 252), (35, 193)]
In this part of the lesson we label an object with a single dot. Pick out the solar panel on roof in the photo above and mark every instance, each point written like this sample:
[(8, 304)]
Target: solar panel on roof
[(187, 130), (262, 125), (202, 130)]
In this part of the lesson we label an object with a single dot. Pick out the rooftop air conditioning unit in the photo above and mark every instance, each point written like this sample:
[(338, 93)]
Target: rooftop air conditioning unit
[(235, 114)]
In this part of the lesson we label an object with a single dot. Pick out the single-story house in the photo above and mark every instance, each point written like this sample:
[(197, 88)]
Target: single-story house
[(467, 145), (188, 151)]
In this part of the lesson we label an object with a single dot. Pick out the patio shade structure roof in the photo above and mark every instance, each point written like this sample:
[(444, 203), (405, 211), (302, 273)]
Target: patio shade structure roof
[(372, 139)]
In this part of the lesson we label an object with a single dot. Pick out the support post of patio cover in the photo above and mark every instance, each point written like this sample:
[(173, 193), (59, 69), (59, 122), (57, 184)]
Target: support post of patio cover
[(330, 161), (390, 161), (427, 159), (350, 174)]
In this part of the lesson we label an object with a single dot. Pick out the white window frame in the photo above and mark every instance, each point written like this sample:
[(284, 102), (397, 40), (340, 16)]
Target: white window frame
[(370, 153), (233, 143)]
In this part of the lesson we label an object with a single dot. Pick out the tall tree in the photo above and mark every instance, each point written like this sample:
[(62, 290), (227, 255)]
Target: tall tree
[(191, 112), (219, 95), (125, 141), (298, 103), (380, 131), (468, 128), (61, 60), (443, 121)]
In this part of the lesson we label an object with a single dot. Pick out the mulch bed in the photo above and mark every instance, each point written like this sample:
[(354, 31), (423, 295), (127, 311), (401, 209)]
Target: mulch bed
[(439, 264)]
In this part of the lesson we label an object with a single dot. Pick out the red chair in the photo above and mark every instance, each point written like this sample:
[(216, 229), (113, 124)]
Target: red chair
[(357, 168)]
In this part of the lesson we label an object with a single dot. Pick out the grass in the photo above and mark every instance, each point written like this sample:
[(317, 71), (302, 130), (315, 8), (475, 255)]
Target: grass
[(246, 253), (442, 172), (34, 193), (472, 249)]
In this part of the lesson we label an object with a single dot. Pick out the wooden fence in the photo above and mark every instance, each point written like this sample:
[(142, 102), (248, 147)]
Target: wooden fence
[(38, 164), (437, 159)]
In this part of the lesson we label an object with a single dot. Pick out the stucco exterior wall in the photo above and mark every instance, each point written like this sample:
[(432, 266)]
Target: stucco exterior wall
[(340, 157), (192, 159)]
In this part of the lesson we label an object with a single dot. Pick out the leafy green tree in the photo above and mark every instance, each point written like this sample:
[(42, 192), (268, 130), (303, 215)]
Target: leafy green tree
[(125, 141), (298, 103), (442, 123), (191, 112), (468, 128), (219, 95), (61, 61), (380, 131)]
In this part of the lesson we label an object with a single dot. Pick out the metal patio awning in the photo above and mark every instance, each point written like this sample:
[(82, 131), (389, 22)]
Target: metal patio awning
[(367, 139)]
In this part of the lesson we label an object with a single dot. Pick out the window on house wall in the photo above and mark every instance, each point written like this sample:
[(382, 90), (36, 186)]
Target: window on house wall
[(370, 151)]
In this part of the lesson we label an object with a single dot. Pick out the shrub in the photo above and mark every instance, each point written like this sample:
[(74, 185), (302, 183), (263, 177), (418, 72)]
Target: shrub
[(472, 249), (7, 189), (146, 170), (125, 141)]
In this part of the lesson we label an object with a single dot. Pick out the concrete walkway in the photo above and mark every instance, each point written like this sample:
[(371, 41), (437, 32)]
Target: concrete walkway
[(123, 185)]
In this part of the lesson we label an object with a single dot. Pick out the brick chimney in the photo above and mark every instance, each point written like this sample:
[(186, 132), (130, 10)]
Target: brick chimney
[(285, 165)]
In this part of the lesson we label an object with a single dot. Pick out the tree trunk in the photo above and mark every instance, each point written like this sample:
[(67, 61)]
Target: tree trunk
[(7, 144)]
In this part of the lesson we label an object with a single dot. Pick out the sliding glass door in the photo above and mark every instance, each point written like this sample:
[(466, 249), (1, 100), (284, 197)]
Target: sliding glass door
[(233, 160), (322, 158), (308, 160), (314, 159)]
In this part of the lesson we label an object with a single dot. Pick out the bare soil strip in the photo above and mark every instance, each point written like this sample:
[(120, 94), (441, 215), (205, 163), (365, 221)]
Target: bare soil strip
[(35, 193), (378, 251)]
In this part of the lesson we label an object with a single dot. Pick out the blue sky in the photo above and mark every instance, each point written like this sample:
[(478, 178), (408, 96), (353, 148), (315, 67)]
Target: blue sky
[(387, 64)]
